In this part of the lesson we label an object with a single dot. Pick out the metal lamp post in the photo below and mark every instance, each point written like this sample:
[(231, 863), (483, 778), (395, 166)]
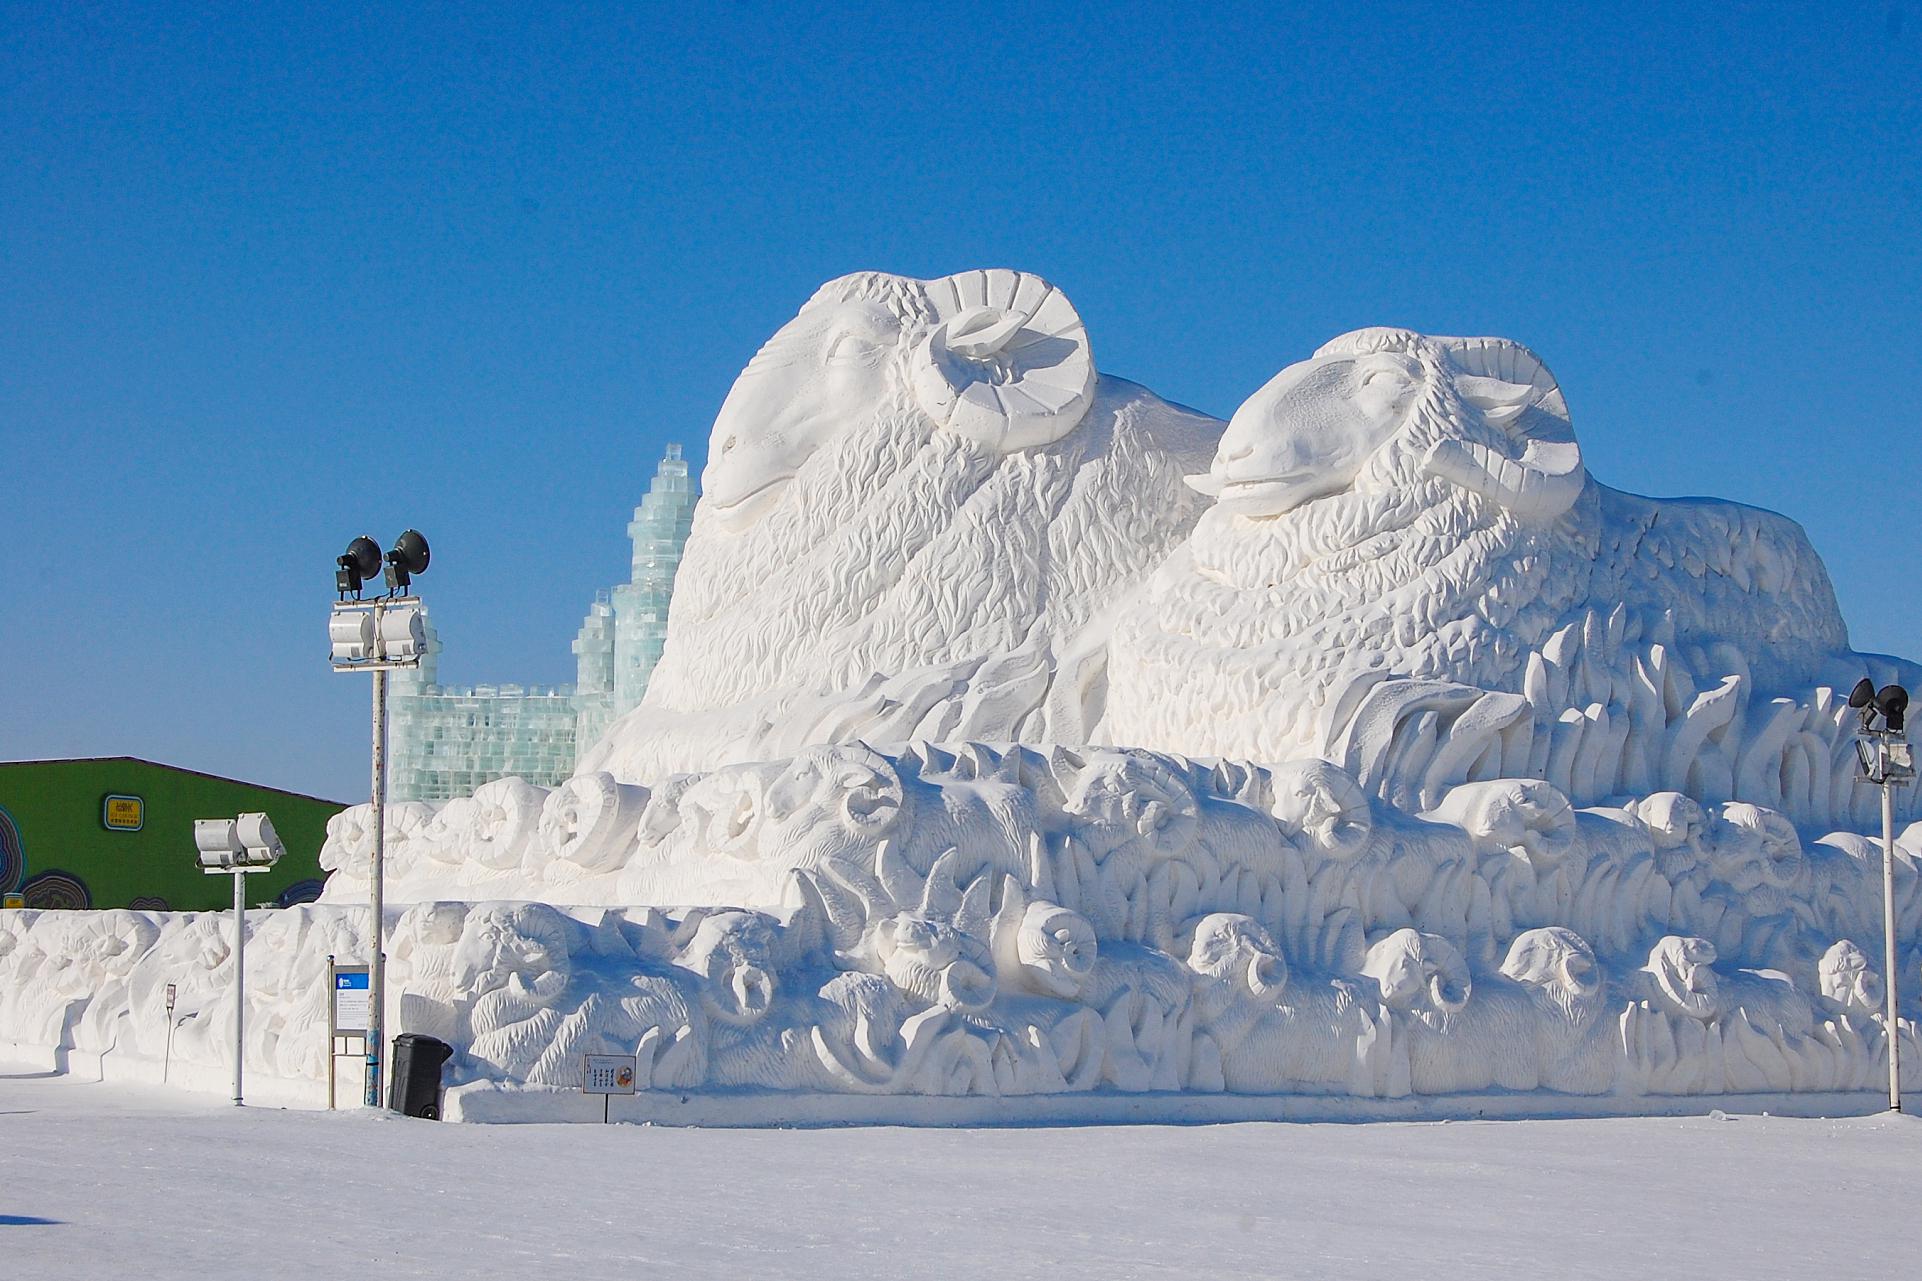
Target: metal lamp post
[(378, 636), (1885, 760), (235, 847)]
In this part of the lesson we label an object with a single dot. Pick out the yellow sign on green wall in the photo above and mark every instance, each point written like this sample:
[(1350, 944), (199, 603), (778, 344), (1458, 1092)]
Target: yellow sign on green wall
[(123, 813)]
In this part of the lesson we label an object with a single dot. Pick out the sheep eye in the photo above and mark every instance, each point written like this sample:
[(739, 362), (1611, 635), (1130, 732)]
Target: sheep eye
[(847, 349)]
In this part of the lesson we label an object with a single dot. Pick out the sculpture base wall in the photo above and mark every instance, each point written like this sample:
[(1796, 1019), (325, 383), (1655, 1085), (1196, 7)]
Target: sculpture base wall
[(489, 1104), (1050, 934)]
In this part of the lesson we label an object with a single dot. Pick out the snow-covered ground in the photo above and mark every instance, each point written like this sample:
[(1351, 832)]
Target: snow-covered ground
[(101, 1181)]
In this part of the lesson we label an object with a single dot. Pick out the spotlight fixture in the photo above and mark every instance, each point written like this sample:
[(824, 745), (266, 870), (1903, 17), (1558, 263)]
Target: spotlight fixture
[(1893, 702), (408, 557), (1890, 704), (360, 562), (227, 844), (386, 633), (1886, 760)]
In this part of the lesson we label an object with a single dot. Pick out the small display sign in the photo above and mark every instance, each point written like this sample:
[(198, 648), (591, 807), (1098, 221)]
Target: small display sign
[(353, 1000), (609, 1073), (12, 900), (123, 813)]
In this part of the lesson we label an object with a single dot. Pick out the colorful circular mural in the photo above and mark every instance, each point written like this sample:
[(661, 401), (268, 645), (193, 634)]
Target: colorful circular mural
[(13, 859), (57, 890)]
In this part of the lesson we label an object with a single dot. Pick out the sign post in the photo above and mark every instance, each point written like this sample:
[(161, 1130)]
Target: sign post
[(608, 1075), (349, 1013), (167, 1059)]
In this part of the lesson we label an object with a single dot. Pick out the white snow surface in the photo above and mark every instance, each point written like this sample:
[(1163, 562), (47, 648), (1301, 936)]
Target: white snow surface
[(116, 1181)]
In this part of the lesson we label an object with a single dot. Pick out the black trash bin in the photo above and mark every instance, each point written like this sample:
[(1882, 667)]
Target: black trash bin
[(414, 1087)]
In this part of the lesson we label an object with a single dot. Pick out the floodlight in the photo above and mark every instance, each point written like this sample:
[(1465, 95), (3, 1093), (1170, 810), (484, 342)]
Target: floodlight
[(236, 844), (408, 557), (350, 632), (258, 838), (217, 842), (1863, 694), (360, 562), (403, 634)]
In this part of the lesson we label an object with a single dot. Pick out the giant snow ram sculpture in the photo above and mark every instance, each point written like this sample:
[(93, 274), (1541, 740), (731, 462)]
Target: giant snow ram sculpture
[(1440, 771), (920, 507), (1409, 571)]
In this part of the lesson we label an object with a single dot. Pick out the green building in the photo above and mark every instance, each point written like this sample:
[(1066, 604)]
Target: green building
[(117, 831)]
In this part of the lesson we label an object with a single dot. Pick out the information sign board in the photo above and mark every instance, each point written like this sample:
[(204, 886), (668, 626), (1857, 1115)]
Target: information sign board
[(353, 1001), (608, 1073), (123, 813)]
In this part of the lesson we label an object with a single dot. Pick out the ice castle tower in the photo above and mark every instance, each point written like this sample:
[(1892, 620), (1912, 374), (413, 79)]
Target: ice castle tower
[(620, 642), (446, 740)]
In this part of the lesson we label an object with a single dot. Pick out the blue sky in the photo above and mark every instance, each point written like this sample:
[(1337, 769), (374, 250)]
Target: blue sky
[(271, 277)]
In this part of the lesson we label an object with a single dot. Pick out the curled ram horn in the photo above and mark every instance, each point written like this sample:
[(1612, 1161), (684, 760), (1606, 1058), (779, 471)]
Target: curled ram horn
[(592, 821), (1420, 974), (1007, 364), (1505, 381)]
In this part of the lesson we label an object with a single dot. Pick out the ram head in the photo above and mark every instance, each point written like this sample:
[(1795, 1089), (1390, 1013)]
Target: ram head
[(1323, 807), (999, 357), (1680, 978), (1527, 817), (1422, 975), (933, 962), (1849, 979), (734, 953), (1235, 950), (1481, 413), (1558, 965)]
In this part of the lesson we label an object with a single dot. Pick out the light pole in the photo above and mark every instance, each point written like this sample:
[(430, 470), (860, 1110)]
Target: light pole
[(235, 847), (1885, 759), (378, 636)]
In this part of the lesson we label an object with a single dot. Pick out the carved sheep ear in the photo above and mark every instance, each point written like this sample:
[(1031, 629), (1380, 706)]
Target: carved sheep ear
[(1007, 363), (1543, 475)]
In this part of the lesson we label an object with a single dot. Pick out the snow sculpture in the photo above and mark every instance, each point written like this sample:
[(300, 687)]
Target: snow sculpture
[(1567, 996), (1409, 571), (1505, 782), (422, 956), (920, 507), (1849, 981), (588, 824), (1258, 1036)]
